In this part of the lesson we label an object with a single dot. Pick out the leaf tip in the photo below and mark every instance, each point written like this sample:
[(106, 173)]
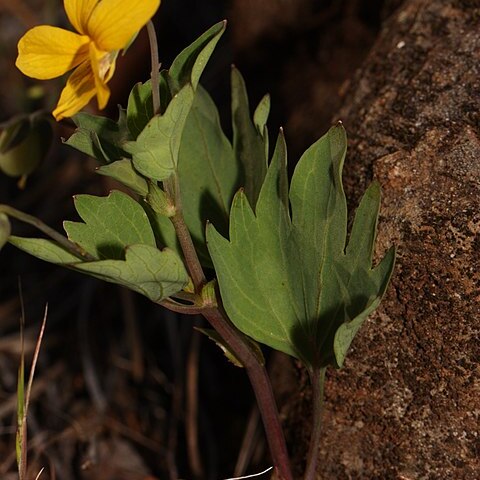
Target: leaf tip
[(339, 127)]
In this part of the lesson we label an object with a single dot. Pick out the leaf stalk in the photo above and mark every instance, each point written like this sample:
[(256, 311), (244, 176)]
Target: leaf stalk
[(152, 37), (317, 379), (262, 388), (71, 247)]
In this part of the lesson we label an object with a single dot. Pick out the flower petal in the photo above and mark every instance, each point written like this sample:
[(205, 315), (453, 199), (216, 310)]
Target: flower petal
[(114, 22), (46, 52), (78, 91), (103, 66), (78, 12)]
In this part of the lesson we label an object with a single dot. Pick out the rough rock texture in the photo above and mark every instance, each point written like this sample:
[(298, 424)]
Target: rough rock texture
[(407, 403)]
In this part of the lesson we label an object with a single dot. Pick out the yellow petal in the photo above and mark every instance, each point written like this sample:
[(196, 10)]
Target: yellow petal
[(78, 91), (78, 12), (46, 52), (103, 66), (114, 22)]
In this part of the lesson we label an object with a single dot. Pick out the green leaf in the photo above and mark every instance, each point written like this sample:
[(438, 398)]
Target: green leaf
[(362, 283), (87, 142), (290, 281), (111, 224), (100, 137), (117, 231), (5, 229), (190, 63), (140, 104), (155, 152), (123, 172), (260, 116), (139, 107), (207, 170), (44, 249), (157, 274), (249, 144)]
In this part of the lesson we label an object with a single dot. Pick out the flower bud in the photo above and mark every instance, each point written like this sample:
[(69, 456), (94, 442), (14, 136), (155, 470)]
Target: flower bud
[(24, 144)]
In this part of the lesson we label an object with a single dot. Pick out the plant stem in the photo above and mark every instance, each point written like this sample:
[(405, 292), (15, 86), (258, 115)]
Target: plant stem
[(191, 258), (180, 308), (317, 379), (261, 386), (215, 314), (256, 371), (71, 247), (152, 37)]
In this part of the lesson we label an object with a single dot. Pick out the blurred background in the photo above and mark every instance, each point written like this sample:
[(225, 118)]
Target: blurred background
[(115, 394)]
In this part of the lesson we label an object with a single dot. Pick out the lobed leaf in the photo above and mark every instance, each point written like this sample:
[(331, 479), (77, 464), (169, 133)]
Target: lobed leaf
[(157, 274), (100, 137), (290, 281), (123, 171), (207, 170), (110, 225), (154, 273), (155, 152)]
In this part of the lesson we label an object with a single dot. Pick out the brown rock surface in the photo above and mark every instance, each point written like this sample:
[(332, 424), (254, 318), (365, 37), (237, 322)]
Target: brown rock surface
[(407, 403)]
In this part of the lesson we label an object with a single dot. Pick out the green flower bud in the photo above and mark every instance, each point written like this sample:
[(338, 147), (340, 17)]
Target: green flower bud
[(159, 201), (24, 144)]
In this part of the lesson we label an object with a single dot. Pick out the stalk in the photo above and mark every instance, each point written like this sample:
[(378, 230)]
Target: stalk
[(152, 36), (317, 379), (218, 318), (256, 371), (71, 247), (262, 388), (191, 258)]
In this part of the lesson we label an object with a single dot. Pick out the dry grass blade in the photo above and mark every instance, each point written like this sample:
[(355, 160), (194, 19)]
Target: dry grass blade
[(39, 473), (251, 476), (24, 397)]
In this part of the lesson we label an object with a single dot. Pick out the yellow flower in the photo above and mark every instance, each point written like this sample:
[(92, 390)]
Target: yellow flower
[(104, 28)]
